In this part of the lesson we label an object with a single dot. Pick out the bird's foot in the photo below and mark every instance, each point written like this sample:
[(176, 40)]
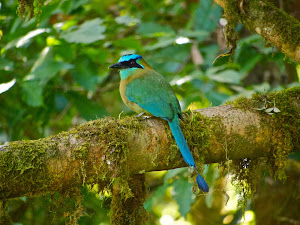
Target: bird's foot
[(142, 118), (140, 114)]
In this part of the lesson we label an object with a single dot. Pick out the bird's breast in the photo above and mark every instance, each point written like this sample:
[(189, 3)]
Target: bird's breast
[(133, 106)]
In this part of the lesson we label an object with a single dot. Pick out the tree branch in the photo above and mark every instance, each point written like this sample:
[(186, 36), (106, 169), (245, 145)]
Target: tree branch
[(103, 150), (273, 24)]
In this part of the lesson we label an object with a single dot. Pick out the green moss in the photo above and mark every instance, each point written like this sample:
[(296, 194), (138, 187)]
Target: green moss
[(29, 161), (197, 132), (241, 103)]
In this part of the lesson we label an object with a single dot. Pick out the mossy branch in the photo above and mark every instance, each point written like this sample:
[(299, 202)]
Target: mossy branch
[(104, 150), (273, 24)]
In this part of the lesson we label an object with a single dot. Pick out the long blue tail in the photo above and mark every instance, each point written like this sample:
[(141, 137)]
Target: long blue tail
[(185, 152)]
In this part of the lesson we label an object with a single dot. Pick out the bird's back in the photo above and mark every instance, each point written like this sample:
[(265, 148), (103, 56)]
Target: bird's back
[(151, 92)]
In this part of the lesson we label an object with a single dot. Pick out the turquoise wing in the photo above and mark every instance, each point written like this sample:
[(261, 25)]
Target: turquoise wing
[(153, 93)]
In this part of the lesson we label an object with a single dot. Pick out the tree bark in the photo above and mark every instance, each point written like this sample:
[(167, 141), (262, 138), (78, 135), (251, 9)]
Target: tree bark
[(273, 24), (102, 151)]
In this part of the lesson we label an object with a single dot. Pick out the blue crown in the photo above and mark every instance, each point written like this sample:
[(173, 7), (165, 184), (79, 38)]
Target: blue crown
[(128, 57)]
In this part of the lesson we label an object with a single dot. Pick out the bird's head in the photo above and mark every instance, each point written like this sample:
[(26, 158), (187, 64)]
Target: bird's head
[(129, 65)]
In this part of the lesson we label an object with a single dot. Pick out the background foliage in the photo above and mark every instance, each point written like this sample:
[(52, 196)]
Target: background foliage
[(53, 75)]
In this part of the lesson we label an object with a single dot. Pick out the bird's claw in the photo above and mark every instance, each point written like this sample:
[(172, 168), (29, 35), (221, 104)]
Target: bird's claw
[(142, 118)]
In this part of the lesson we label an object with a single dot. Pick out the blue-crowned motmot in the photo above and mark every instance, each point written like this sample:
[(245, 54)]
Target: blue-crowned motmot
[(146, 91)]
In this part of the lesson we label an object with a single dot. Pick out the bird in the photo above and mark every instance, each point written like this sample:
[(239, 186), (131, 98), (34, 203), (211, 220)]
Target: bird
[(144, 90)]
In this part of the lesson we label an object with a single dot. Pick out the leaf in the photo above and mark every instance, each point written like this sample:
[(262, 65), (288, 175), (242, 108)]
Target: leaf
[(27, 38), (156, 197), (269, 110), (172, 173), (183, 195), (127, 20), (6, 86), (47, 70), (154, 29), (227, 76), (87, 109), (194, 33), (6, 64), (207, 15), (162, 43), (128, 43), (86, 74), (88, 32), (262, 108), (33, 93), (276, 110)]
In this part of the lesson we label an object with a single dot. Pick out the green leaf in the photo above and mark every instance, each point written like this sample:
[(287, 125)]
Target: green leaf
[(128, 43), (88, 109), (154, 29), (194, 34), (86, 74), (172, 173), (227, 76), (6, 64), (88, 32), (127, 20), (156, 197), (33, 93), (162, 43), (207, 15), (183, 195), (47, 70)]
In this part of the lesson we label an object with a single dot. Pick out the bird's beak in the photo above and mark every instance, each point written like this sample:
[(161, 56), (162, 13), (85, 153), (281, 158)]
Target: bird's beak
[(117, 66)]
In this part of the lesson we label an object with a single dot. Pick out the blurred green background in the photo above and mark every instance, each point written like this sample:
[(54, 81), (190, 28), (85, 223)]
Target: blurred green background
[(54, 68)]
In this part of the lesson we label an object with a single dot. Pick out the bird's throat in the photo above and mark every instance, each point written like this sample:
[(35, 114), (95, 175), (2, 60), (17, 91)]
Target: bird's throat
[(126, 73)]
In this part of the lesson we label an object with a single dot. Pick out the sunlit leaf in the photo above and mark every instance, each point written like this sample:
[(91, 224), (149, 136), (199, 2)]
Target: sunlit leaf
[(183, 195), (156, 197), (6, 86), (275, 109), (23, 40), (269, 110), (172, 173)]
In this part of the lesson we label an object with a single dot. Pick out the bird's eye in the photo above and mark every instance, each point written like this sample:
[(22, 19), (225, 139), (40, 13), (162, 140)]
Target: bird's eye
[(132, 63)]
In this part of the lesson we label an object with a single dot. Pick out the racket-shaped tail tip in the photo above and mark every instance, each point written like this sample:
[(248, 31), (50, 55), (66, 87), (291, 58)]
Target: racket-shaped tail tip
[(202, 184)]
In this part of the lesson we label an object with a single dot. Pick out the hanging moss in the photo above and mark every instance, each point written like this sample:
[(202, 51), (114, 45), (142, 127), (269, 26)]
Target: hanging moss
[(5, 219), (129, 210), (285, 137), (253, 15), (30, 8)]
